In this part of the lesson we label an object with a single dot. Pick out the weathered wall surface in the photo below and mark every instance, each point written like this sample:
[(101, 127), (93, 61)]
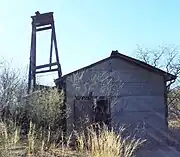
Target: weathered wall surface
[(137, 94), (82, 83)]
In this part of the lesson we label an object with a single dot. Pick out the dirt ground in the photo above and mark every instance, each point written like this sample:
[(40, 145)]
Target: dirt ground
[(159, 152)]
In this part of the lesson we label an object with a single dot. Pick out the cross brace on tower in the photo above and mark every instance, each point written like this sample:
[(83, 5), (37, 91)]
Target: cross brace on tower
[(41, 22)]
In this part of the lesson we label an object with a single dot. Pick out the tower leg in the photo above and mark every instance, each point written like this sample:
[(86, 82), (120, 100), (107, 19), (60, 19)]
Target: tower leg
[(56, 51)]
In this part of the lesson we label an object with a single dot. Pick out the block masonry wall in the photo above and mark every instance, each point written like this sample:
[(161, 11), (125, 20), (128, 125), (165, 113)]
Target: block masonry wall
[(137, 95)]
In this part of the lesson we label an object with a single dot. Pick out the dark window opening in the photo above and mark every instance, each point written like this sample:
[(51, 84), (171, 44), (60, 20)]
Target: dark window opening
[(102, 112)]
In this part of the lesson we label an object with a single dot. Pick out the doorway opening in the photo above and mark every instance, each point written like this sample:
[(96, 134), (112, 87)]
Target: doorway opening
[(102, 112)]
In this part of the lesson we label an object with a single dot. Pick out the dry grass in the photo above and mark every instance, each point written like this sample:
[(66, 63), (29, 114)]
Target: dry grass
[(45, 108), (8, 139), (104, 143)]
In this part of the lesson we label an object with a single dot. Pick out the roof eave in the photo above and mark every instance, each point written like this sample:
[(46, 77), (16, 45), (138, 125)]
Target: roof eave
[(116, 54), (170, 77)]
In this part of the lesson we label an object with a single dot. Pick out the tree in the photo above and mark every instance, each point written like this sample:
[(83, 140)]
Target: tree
[(44, 107), (166, 58), (12, 89)]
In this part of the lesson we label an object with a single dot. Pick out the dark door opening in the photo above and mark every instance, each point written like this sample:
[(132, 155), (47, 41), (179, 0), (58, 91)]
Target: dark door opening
[(102, 112)]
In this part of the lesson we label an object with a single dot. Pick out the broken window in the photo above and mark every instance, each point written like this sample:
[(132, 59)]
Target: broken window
[(96, 109), (102, 111)]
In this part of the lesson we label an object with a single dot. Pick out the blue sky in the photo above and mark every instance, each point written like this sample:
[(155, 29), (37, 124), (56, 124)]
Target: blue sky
[(88, 30)]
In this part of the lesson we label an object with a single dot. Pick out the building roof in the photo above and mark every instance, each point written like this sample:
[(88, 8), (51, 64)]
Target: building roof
[(117, 55)]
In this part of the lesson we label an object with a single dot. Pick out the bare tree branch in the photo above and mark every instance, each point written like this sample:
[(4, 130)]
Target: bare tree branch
[(166, 57)]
